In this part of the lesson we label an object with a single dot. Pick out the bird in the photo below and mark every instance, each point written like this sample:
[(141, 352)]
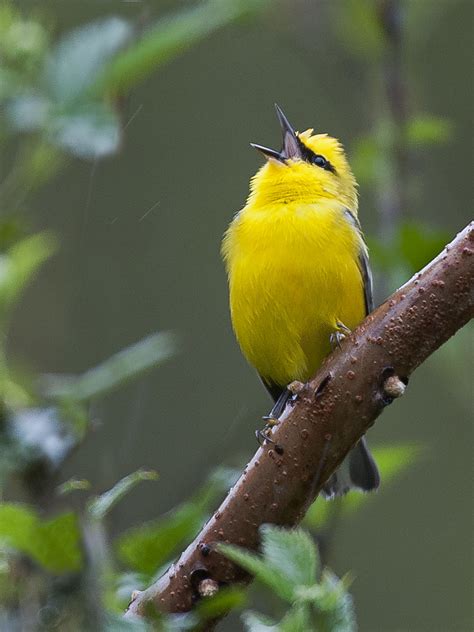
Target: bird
[(298, 274)]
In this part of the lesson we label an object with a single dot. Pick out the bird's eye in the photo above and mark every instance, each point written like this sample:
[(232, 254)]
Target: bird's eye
[(320, 161)]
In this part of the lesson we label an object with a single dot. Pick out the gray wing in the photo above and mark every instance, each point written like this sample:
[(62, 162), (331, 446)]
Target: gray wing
[(364, 265), (367, 279), (359, 470)]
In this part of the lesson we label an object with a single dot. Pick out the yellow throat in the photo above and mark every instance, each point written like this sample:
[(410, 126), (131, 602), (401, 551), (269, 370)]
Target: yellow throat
[(295, 257)]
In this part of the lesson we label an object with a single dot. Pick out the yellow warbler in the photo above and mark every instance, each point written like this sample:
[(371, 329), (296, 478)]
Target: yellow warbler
[(298, 272)]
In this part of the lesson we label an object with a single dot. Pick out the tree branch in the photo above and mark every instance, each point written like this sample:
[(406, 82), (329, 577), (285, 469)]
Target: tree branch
[(330, 415)]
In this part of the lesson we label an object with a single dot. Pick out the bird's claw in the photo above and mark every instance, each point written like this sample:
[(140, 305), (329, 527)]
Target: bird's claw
[(338, 336), (262, 433)]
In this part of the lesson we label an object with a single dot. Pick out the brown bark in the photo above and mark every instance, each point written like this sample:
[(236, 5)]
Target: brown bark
[(329, 416)]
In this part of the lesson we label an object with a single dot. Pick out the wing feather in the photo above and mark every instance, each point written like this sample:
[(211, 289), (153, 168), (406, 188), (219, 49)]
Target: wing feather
[(364, 265)]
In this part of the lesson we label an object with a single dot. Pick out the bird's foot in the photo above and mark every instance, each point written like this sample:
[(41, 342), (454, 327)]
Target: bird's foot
[(337, 336), (262, 434), (296, 388), (272, 419)]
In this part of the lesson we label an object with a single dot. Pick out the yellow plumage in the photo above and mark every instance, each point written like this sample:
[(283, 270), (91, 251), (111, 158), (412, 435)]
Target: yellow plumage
[(292, 257), (298, 273)]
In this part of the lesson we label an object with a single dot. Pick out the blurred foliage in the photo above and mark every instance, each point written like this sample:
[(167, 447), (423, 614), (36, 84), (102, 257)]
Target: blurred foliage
[(407, 251), (424, 130), (60, 99), (116, 371), (150, 546), (371, 156), (55, 544), (17, 267), (171, 36), (205, 610), (385, 157), (392, 461), (73, 485), (357, 25), (67, 91), (59, 104), (290, 568), (99, 507), (18, 264), (64, 96)]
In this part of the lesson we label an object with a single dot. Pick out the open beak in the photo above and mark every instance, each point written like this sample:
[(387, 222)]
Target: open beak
[(291, 144)]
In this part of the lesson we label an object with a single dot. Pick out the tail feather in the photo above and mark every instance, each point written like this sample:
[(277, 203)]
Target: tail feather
[(358, 471)]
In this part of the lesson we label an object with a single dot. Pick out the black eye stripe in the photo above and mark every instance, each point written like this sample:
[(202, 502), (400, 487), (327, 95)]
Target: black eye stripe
[(309, 156)]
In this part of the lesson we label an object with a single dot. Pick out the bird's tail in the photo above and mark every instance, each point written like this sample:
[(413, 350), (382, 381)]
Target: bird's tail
[(358, 471)]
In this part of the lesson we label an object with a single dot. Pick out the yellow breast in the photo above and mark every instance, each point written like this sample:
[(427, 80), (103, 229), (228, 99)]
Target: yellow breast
[(293, 274)]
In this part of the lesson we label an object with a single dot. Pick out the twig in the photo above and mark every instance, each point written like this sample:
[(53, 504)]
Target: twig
[(365, 377)]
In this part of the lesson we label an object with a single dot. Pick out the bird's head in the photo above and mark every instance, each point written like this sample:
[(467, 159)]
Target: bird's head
[(308, 168)]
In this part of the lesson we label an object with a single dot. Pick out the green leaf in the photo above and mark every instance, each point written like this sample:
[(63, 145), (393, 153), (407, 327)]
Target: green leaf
[(411, 248), (324, 605), (221, 603), (219, 481), (382, 255), (170, 37), (291, 552), (23, 42), (73, 485), (90, 130), (149, 546), (297, 619), (289, 560), (80, 56), (28, 112), (120, 368), (372, 155), (365, 159), (100, 506), (426, 129), (335, 606), (38, 161), (61, 543), (256, 622), (359, 28), (55, 544), (19, 264), (41, 433), (391, 460), (259, 568), (418, 244), (321, 512), (70, 118), (396, 458)]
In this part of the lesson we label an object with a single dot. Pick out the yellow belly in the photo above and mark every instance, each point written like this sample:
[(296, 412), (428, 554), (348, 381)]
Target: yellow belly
[(293, 274)]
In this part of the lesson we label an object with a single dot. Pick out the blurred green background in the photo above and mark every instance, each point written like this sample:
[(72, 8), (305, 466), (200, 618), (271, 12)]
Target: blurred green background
[(138, 251)]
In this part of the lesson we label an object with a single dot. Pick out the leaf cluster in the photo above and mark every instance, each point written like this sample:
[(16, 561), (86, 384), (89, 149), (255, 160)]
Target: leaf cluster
[(71, 98), (61, 97), (289, 567)]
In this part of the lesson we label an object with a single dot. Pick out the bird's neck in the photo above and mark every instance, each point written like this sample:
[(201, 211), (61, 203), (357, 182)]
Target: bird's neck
[(275, 186)]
